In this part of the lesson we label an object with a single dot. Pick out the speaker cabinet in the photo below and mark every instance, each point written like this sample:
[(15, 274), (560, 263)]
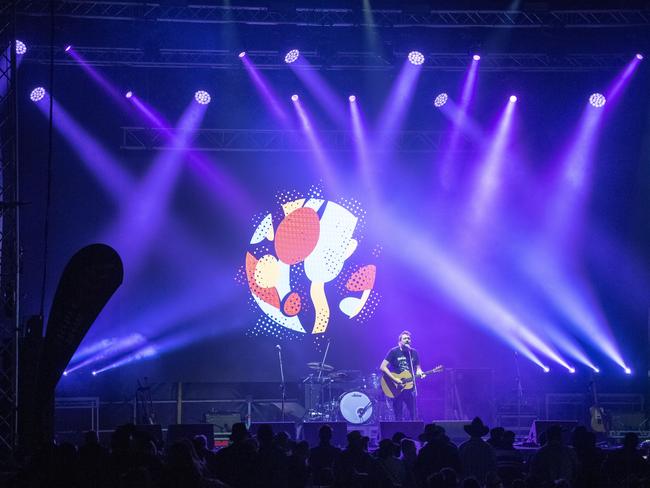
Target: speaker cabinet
[(412, 429)]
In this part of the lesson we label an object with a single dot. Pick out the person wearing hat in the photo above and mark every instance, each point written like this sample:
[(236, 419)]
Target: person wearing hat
[(438, 453), (399, 359), (477, 457)]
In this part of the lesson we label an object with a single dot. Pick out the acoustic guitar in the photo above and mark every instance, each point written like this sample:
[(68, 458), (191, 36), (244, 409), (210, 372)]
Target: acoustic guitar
[(599, 418), (391, 388)]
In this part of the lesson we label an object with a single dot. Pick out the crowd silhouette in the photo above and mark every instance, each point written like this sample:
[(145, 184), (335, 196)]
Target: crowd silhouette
[(273, 459)]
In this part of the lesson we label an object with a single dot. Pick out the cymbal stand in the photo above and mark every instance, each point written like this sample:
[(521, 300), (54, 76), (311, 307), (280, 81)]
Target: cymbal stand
[(282, 383), (321, 386)]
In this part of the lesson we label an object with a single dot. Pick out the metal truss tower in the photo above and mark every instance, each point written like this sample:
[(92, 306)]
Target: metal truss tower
[(9, 249)]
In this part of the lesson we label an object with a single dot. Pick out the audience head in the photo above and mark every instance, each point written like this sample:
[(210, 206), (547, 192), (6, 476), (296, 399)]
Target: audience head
[(200, 442), (397, 437), (579, 437), (301, 450), (355, 440), (239, 432), (386, 449), (496, 435), (470, 482), (325, 434), (90, 438), (449, 477), (630, 441), (408, 447), (508, 439), (265, 434), (554, 434)]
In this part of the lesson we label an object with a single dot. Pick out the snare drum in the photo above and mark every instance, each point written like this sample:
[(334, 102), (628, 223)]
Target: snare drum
[(355, 407)]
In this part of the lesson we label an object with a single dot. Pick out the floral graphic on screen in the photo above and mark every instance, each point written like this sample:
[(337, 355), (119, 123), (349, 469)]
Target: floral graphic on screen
[(300, 266)]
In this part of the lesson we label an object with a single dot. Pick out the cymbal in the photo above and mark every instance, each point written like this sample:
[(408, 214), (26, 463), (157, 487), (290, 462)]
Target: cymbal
[(345, 374), (317, 366)]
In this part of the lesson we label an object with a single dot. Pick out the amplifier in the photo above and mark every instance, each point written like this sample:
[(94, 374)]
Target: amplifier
[(222, 421)]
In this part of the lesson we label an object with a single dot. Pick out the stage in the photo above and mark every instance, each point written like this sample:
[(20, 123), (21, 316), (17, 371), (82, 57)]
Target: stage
[(220, 213)]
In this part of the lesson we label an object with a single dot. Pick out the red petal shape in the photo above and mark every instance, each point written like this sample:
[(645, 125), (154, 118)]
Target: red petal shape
[(297, 235), (362, 279)]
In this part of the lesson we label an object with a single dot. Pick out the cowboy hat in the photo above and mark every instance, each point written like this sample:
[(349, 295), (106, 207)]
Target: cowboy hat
[(477, 428)]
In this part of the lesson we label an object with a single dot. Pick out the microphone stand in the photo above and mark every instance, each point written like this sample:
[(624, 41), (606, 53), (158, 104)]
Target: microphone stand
[(282, 386), (520, 392), (415, 385)]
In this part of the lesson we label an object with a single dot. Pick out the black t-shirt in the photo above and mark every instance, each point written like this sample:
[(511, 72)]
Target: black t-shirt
[(399, 359)]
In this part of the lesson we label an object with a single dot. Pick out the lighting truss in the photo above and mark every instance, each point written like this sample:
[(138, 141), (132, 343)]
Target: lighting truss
[(362, 61), (336, 17), (9, 255), (240, 140)]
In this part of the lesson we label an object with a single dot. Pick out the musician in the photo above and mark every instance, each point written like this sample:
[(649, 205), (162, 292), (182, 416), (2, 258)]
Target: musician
[(399, 359)]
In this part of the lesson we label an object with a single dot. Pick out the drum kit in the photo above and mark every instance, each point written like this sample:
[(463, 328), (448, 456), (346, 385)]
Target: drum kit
[(343, 395)]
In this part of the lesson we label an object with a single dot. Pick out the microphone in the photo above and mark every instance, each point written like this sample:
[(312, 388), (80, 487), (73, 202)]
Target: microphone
[(277, 346)]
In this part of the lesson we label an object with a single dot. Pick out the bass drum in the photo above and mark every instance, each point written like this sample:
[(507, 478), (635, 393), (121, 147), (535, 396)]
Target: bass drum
[(355, 407)]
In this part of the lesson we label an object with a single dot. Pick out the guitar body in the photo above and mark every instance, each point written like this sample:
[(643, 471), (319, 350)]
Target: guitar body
[(599, 419), (392, 389)]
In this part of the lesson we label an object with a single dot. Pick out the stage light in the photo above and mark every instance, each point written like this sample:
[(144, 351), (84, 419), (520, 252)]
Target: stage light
[(627, 370), (67, 48), (440, 100), (94, 373), (294, 97), (202, 97), (37, 94), (597, 100), (242, 54), (21, 48), (476, 57), (513, 98), (291, 56), (596, 370), (572, 370), (416, 58), (128, 94), (352, 98), (639, 56), (65, 373), (546, 369)]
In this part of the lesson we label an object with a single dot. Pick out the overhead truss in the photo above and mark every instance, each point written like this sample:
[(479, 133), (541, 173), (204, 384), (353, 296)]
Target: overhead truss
[(241, 140), (363, 61), (9, 254), (337, 17)]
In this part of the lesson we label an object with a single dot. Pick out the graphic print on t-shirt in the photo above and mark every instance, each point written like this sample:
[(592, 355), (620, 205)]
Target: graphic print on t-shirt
[(399, 361)]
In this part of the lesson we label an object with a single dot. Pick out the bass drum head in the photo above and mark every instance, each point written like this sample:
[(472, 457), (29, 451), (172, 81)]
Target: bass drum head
[(355, 407)]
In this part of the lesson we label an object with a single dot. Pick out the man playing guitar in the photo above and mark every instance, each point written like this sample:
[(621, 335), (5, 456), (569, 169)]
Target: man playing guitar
[(399, 359)]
